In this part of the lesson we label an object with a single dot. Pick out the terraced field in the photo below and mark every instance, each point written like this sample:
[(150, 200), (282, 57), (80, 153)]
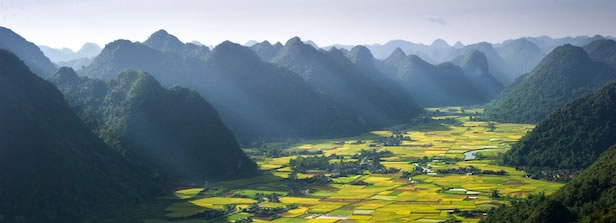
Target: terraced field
[(440, 140)]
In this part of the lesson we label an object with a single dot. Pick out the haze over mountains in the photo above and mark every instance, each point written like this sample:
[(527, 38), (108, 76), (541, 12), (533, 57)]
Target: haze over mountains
[(329, 83), (66, 57), (173, 133), (432, 85), (26, 51), (254, 97), (88, 50), (377, 99), (137, 118), (507, 60)]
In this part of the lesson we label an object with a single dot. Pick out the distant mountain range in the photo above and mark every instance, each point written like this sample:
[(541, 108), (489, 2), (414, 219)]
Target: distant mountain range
[(350, 88), (547, 44), (54, 168), (505, 71), (428, 86), (173, 133), (376, 99), (88, 50), (432, 85), (254, 98), (507, 60)]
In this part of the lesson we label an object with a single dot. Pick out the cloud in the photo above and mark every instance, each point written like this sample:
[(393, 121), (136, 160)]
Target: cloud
[(437, 20)]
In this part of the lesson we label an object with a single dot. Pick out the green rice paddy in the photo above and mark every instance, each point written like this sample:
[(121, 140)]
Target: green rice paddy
[(386, 197)]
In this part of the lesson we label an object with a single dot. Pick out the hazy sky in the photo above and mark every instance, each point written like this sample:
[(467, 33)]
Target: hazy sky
[(70, 23)]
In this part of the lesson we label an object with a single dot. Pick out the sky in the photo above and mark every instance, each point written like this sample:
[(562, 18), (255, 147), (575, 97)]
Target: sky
[(70, 23)]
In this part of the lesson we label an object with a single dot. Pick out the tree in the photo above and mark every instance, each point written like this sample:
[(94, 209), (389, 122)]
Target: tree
[(495, 194), (293, 175), (229, 208)]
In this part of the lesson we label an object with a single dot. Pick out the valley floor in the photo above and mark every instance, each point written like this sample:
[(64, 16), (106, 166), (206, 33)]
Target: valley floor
[(441, 186)]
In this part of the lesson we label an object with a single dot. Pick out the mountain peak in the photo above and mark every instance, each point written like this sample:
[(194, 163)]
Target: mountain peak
[(563, 75), (65, 75), (439, 43), (458, 45), (398, 53), (396, 57), (250, 43), (603, 50), (266, 43), (89, 50), (337, 53), (360, 55), (138, 82), (294, 41), (163, 41), (475, 63), (566, 53), (230, 51), (118, 43), (265, 50), (162, 32)]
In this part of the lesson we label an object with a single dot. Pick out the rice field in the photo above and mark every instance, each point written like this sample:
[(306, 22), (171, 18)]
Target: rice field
[(448, 134)]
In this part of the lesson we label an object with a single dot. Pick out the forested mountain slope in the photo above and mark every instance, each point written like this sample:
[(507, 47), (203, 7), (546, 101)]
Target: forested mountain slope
[(171, 132), (564, 75), (570, 138), (54, 169), (590, 197)]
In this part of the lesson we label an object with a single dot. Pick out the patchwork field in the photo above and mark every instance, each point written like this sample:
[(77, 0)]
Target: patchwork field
[(431, 147)]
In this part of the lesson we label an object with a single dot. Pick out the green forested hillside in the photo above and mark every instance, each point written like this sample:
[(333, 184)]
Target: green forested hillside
[(603, 50), (590, 197), (564, 75), (172, 132), (570, 138), (54, 169)]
